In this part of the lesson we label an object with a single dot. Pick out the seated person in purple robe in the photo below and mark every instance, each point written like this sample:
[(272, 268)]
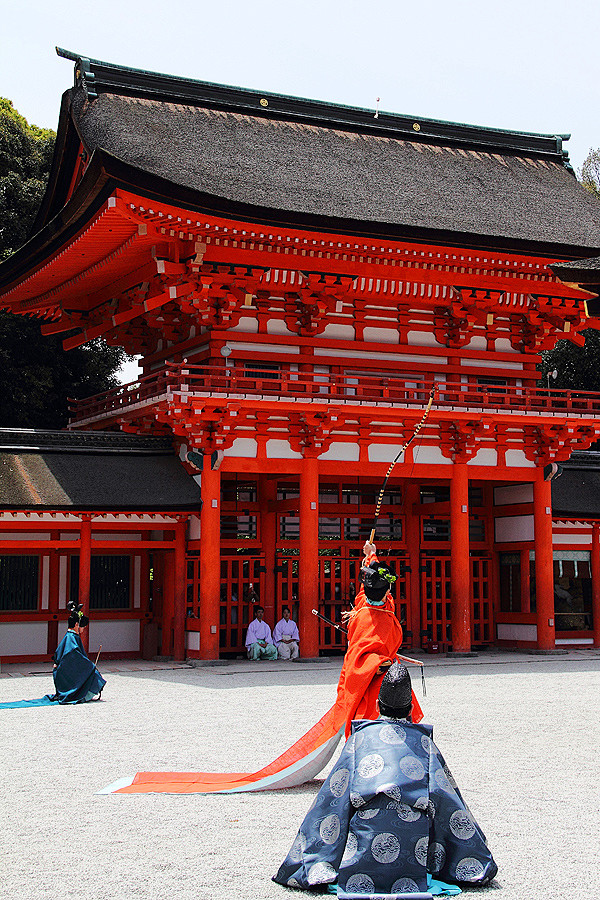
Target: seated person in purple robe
[(285, 636), (259, 643), (389, 820)]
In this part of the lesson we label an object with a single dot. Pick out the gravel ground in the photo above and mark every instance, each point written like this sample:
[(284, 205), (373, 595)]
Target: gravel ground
[(520, 733)]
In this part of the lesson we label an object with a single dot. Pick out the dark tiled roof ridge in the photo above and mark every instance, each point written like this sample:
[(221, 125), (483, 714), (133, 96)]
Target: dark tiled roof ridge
[(31, 439), (96, 77)]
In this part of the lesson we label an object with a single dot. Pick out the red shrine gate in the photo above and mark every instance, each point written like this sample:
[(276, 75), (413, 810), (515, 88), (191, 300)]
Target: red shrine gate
[(291, 351)]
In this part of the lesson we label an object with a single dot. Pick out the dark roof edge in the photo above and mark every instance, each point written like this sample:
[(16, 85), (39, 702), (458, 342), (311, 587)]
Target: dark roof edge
[(32, 440), (66, 149), (106, 172), (97, 77)]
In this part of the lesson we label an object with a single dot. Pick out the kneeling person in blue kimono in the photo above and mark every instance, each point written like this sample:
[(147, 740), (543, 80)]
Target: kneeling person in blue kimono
[(389, 819), (76, 678)]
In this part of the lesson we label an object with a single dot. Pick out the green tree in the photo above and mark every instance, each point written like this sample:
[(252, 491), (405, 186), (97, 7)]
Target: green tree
[(36, 374), (589, 174)]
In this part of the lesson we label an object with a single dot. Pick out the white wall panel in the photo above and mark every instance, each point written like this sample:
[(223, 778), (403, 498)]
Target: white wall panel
[(115, 636), (244, 447), (192, 640), (517, 459), (515, 631), (342, 451), (23, 638), (508, 494), (277, 449), (513, 528)]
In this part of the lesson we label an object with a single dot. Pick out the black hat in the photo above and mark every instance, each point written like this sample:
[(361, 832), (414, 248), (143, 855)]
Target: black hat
[(396, 691), (76, 616), (377, 579)]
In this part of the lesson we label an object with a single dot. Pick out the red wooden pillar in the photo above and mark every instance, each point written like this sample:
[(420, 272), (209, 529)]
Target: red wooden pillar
[(168, 604), (460, 567), (268, 532), (595, 561), (85, 562), (544, 562), (525, 581), (308, 581), (180, 591), (413, 543), (210, 560), (53, 588)]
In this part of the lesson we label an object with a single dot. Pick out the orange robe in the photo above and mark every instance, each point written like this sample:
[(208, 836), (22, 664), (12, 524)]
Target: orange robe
[(374, 637)]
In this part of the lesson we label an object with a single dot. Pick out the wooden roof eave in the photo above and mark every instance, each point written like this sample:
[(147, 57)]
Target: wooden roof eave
[(106, 172)]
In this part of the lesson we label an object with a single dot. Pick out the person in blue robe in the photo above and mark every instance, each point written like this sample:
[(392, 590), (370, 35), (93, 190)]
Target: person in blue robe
[(76, 678), (389, 820)]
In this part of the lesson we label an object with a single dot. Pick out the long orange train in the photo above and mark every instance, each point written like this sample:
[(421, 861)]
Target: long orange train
[(374, 636)]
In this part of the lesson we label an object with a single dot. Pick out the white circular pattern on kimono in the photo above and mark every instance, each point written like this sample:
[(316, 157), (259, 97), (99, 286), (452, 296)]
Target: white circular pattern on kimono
[(370, 765), (298, 848), (392, 791), (338, 782), (426, 743), (385, 848), (293, 882), (431, 810), (392, 734), (442, 781), (421, 848), (462, 825), (350, 848), (358, 739), (356, 800), (329, 829), (405, 812), (436, 856), (421, 803), (412, 767), (321, 873), (405, 886), (360, 884), (367, 813), (469, 869)]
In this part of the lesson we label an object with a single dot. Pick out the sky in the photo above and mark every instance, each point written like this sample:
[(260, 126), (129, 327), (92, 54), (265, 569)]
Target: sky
[(526, 65)]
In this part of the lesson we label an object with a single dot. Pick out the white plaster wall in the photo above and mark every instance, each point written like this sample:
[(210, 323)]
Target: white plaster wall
[(192, 640), (23, 638), (513, 528), (516, 459), (278, 326), (477, 342), (588, 641), (571, 538), (277, 449), (485, 456), (503, 345), (507, 494), (194, 528), (342, 451), (245, 447), (430, 455), (514, 631), (115, 636), (382, 335), (337, 332), (422, 339), (116, 536), (24, 536), (384, 452), (137, 581), (492, 364), (248, 324), (62, 582)]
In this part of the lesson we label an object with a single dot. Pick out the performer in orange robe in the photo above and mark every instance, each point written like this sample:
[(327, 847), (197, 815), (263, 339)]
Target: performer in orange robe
[(374, 637)]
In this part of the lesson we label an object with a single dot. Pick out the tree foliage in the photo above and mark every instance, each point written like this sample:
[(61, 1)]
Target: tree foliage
[(36, 374), (578, 367), (589, 174)]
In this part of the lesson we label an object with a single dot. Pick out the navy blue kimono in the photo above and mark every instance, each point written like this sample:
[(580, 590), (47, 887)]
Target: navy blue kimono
[(76, 678), (389, 815)]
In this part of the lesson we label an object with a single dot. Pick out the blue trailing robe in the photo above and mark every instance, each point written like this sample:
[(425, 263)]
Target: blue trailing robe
[(76, 678), (388, 820)]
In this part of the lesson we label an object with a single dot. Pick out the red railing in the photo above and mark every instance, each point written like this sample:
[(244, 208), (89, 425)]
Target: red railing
[(338, 389)]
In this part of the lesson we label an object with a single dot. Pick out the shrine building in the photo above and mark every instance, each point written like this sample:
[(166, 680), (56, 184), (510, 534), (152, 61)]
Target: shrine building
[(296, 278)]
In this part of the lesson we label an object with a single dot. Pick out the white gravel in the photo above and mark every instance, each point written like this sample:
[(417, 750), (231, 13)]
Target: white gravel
[(520, 733)]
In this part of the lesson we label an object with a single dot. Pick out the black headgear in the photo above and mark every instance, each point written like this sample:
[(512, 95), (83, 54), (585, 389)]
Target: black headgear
[(76, 616), (377, 579), (395, 692)]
